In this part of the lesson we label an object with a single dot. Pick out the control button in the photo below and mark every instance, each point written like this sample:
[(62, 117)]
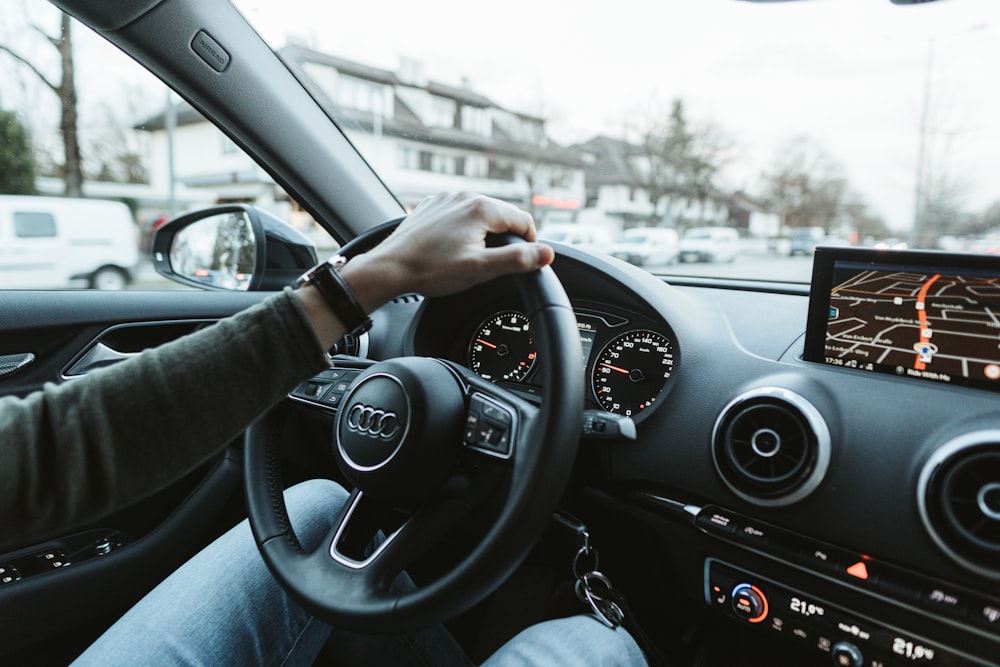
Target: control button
[(497, 414), (858, 570), (333, 398), (311, 389), (753, 533), (749, 603), (347, 374), (847, 655), (719, 596), (52, 560), (715, 520), (9, 574), (103, 546), (984, 613), (943, 601), (471, 427)]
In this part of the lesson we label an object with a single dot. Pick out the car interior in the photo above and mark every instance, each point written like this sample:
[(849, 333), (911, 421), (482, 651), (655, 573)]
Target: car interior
[(766, 477)]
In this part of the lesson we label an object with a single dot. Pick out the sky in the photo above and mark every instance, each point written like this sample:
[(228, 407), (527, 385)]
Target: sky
[(850, 74)]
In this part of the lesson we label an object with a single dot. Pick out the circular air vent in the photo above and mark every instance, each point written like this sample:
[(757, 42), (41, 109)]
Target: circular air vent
[(959, 497), (771, 446)]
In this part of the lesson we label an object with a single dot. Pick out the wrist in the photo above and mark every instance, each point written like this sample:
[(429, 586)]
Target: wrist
[(338, 295), (373, 280)]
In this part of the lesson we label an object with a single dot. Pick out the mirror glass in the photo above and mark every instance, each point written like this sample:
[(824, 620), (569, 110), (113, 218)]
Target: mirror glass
[(219, 250)]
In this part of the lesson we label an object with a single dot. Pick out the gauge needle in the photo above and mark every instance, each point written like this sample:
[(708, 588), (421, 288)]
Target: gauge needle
[(480, 340), (615, 368)]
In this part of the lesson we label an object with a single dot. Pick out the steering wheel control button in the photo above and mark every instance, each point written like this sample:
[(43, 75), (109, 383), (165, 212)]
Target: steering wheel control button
[(749, 603), (489, 427)]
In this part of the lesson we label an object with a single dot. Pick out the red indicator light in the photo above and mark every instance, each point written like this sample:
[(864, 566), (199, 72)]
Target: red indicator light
[(859, 570)]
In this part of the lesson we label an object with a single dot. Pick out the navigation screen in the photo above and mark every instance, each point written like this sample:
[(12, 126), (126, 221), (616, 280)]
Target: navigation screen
[(907, 316)]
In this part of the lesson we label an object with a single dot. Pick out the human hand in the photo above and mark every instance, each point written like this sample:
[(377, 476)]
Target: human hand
[(440, 248)]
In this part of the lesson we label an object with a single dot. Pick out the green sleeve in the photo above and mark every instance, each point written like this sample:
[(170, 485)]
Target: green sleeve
[(72, 453)]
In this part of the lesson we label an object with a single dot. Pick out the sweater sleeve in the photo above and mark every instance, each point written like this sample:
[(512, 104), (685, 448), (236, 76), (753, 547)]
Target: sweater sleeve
[(77, 451)]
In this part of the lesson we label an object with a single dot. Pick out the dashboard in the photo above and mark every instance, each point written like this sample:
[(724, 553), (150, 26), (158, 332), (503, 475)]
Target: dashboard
[(778, 483), (853, 512)]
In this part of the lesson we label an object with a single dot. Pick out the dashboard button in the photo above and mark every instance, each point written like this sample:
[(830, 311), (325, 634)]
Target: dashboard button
[(845, 654), (943, 601), (984, 613), (717, 520), (749, 603)]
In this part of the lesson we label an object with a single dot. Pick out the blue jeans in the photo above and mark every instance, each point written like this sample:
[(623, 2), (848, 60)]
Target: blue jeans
[(223, 608)]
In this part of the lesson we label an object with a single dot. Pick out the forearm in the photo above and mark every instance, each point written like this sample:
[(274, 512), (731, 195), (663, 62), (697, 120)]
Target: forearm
[(77, 451)]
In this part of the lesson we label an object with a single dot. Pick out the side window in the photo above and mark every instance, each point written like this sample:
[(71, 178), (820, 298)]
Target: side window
[(34, 225)]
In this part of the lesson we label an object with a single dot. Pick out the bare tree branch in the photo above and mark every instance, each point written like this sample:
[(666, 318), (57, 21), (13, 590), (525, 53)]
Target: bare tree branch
[(27, 63)]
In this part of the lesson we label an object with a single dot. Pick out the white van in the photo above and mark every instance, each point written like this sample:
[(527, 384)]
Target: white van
[(57, 242), (710, 244), (647, 246)]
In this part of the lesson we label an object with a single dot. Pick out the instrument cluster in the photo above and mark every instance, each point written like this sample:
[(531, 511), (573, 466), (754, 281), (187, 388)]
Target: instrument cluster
[(628, 363)]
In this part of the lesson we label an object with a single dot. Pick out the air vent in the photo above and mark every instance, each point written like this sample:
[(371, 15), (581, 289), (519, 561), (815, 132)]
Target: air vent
[(960, 500), (771, 446)]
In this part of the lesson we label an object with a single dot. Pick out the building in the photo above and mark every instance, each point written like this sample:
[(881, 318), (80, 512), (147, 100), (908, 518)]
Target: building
[(420, 135), (616, 187)]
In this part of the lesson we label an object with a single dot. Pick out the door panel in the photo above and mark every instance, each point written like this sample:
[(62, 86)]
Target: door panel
[(114, 562)]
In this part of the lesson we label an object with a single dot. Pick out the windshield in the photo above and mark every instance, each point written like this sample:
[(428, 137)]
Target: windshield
[(866, 120), (847, 122)]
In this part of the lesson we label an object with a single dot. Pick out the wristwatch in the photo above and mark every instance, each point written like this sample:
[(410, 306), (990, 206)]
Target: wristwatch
[(326, 278)]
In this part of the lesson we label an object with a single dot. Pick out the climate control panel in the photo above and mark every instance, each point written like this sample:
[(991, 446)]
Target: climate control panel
[(848, 639)]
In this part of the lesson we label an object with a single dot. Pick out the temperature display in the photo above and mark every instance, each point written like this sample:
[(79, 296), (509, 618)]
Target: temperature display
[(911, 650), (804, 607)]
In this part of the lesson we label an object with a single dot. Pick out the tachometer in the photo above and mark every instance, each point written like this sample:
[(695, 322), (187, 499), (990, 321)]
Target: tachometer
[(501, 348), (631, 371)]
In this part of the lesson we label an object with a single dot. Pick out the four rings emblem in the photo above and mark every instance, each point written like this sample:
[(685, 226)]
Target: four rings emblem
[(373, 422)]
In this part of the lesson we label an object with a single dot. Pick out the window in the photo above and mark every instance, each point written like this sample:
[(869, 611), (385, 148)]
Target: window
[(501, 170), (34, 225), (442, 112)]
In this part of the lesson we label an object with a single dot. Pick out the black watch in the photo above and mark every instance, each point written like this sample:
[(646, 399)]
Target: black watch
[(325, 277)]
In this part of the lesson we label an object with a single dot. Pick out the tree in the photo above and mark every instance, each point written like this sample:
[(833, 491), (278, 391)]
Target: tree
[(861, 219), (805, 185), (65, 90), (17, 158), (680, 161)]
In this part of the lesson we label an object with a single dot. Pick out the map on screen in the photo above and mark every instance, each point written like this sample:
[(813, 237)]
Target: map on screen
[(916, 323)]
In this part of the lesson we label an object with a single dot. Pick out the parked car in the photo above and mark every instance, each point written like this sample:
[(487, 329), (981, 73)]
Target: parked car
[(592, 238), (710, 244), (647, 246), (774, 474), (53, 242), (805, 239)]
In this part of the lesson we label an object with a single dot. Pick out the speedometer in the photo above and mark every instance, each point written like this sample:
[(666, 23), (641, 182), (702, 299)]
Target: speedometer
[(631, 371), (501, 348)]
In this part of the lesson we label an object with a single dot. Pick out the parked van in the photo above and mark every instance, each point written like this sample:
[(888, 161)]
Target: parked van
[(57, 242), (648, 246), (710, 244)]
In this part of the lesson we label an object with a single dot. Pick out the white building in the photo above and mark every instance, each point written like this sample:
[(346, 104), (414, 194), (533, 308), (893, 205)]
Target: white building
[(420, 135)]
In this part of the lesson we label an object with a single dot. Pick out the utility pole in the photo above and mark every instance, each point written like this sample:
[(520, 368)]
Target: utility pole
[(920, 187)]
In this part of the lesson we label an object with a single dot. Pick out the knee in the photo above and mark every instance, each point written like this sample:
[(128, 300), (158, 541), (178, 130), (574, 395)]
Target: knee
[(312, 507)]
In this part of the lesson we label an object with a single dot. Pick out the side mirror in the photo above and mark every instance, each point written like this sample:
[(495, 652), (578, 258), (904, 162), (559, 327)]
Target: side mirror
[(231, 247)]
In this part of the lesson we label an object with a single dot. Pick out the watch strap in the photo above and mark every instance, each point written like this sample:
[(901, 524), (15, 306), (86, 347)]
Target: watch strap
[(337, 294)]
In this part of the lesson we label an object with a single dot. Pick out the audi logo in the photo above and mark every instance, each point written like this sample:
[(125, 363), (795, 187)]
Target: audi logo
[(372, 422)]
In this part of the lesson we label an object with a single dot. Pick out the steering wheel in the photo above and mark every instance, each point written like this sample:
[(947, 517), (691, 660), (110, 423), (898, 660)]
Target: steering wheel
[(431, 438)]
